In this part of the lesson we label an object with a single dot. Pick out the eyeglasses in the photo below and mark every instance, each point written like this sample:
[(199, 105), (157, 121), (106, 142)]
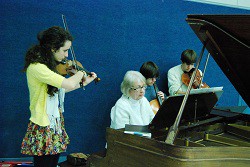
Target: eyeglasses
[(139, 88)]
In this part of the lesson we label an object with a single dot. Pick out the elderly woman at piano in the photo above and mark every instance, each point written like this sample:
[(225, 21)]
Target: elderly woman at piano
[(132, 107)]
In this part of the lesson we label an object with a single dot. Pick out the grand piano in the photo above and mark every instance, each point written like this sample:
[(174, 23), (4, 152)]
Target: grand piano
[(219, 136)]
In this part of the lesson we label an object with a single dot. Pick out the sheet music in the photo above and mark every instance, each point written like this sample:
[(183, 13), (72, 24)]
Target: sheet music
[(206, 90)]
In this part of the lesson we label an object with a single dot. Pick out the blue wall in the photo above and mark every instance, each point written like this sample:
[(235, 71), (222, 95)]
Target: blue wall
[(111, 37)]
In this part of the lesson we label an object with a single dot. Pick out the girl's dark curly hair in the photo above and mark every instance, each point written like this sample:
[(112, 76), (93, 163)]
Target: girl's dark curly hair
[(50, 39)]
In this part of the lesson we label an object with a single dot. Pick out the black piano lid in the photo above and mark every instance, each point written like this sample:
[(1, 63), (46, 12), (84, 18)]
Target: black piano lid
[(227, 39)]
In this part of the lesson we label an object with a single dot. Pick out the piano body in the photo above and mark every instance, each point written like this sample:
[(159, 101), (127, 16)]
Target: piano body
[(220, 137)]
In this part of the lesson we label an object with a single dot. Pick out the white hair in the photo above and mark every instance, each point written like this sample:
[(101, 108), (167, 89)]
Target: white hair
[(129, 79)]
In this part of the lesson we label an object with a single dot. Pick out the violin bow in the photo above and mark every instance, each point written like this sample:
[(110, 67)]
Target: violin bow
[(204, 70), (71, 47)]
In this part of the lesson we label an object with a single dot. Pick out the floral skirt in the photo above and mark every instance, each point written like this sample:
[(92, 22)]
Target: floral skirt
[(41, 140)]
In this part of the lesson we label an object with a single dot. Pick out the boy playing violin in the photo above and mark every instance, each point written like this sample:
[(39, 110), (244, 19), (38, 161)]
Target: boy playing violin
[(175, 84)]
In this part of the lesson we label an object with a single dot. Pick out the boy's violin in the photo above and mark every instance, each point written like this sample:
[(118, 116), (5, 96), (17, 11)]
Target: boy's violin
[(186, 77)]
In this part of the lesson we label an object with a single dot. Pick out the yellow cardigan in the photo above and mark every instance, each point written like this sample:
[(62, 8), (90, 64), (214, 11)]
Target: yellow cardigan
[(38, 76)]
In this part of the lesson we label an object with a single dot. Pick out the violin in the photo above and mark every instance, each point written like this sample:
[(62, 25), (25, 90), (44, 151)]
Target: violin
[(156, 103), (66, 65), (186, 77)]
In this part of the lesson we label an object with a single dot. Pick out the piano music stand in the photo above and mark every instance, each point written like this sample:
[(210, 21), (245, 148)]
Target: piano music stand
[(201, 103)]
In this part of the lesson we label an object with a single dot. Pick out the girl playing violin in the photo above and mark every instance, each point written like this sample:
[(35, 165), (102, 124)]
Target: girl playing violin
[(175, 83), (46, 137)]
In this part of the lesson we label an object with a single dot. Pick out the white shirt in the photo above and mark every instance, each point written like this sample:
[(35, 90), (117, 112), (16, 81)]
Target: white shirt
[(130, 111), (174, 80)]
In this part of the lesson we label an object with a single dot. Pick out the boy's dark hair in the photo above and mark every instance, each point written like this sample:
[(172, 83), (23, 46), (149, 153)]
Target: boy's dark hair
[(188, 56), (149, 70)]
